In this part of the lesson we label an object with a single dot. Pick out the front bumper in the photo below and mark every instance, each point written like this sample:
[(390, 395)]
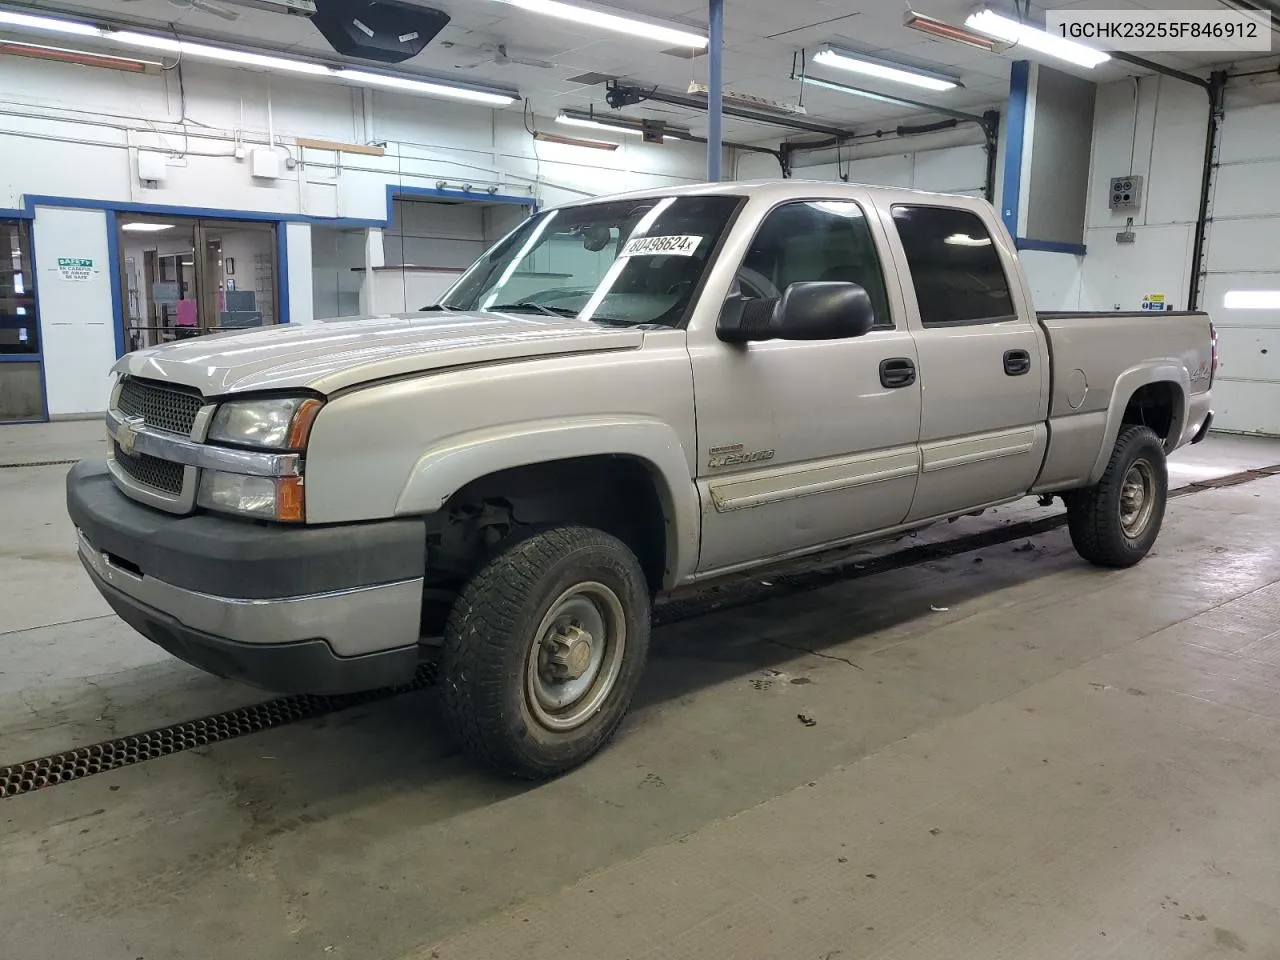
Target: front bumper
[(296, 610)]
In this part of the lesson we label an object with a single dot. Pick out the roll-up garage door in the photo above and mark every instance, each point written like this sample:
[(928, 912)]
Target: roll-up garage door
[(1242, 264)]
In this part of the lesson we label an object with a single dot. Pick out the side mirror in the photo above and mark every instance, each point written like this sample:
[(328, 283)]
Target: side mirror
[(815, 310)]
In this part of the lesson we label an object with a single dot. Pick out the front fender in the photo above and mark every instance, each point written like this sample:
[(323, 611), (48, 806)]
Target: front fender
[(450, 465), (1126, 385)]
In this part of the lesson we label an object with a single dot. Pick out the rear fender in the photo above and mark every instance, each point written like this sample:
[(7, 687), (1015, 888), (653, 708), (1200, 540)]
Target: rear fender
[(450, 465), (1127, 384)]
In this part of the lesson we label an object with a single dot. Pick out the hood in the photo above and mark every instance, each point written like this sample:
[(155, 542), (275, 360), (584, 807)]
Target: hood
[(331, 355)]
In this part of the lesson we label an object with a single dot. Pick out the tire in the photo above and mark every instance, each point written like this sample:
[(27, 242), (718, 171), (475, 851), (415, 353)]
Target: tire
[(1115, 523), (517, 633)]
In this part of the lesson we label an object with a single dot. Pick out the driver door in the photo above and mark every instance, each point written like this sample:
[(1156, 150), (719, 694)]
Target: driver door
[(803, 444)]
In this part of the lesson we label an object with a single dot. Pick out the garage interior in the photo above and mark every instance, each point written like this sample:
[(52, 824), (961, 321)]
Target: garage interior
[(961, 742)]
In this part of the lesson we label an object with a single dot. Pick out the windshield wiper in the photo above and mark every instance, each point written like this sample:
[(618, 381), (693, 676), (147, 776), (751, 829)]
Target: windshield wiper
[(526, 307), (437, 306)]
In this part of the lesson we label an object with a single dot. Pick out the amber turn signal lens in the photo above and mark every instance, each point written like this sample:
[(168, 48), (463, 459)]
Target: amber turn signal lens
[(300, 427), (290, 503)]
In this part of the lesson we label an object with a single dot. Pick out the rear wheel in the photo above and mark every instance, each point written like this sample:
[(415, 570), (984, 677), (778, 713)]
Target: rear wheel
[(1116, 522), (543, 651)]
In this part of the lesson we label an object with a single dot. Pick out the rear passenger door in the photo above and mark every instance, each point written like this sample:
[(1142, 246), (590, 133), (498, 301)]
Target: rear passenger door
[(983, 367)]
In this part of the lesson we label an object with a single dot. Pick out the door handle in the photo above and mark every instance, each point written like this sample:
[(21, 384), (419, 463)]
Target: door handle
[(897, 372), (1017, 362)]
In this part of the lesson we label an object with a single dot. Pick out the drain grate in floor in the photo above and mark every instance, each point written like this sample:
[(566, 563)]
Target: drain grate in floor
[(123, 751), (36, 463)]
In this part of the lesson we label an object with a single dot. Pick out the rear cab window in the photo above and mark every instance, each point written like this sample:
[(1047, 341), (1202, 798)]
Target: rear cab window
[(955, 266)]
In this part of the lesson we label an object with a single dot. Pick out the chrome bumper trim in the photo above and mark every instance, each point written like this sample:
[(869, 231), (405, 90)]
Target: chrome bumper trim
[(139, 438)]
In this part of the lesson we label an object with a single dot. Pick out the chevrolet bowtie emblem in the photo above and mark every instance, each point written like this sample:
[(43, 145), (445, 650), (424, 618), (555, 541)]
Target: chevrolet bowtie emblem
[(127, 433)]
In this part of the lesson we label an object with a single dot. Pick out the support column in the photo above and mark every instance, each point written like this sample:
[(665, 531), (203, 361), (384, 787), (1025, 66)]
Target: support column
[(715, 90), (373, 258)]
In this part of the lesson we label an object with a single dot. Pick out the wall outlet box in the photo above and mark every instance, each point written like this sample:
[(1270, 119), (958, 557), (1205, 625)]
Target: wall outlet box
[(151, 166), (265, 164), (1126, 236), (1125, 193)]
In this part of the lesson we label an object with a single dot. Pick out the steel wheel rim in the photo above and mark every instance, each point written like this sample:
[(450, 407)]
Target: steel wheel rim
[(1137, 499), (588, 613)]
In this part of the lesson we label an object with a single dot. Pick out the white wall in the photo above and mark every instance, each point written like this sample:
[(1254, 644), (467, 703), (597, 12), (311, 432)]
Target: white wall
[(89, 149), (71, 131), (1153, 127), (952, 168)]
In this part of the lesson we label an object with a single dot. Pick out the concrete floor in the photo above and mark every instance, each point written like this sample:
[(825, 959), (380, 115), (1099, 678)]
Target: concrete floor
[(1014, 755)]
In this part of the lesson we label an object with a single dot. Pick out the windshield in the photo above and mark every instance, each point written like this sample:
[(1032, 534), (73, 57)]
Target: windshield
[(620, 262)]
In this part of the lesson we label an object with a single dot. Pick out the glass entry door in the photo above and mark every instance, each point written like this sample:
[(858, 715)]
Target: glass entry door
[(186, 277)]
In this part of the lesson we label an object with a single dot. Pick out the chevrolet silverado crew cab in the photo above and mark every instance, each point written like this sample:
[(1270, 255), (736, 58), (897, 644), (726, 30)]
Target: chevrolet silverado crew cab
[(622, 397)]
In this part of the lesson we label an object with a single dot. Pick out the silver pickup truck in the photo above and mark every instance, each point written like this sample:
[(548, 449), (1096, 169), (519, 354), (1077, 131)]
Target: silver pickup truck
[(621, 397)]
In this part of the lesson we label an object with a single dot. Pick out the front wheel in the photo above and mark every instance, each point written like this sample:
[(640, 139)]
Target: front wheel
[(543, 651), (1115, 523)]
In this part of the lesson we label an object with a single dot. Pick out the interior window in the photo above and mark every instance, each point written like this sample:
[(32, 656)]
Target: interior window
[(955, 266), (815, 240)]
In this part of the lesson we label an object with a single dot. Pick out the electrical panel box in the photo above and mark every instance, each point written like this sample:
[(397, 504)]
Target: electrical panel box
[(265, 164), (1126, 193), (151, 166)]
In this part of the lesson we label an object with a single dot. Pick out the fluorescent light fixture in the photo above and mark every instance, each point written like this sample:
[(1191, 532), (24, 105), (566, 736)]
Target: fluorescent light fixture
[(202, 51), (622, 23), (1252, 300), (572, 121), (425, 87), (45, 51), (1033, 38), (964, 240), (9, 18), (942, 30), (855, 91), (575, 141), (145, 227), (883, 69)]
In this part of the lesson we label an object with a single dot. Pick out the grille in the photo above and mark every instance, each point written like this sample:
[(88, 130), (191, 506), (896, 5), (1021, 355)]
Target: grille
[(162, 407), (162, 475)]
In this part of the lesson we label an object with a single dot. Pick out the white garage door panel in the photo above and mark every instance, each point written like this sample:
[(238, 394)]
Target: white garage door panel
[(1249, 353), (1247, 190), (955, 170), (1250, 133), (1216, 286), (1236, 246), (1243, 253), (1246, 406)]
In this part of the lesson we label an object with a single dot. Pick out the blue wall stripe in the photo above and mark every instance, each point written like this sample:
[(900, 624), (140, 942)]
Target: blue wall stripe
[(1015, 132), (1049, 246)]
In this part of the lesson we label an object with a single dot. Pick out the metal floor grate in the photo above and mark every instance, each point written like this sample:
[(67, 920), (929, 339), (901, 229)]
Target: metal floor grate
[(123, 751)]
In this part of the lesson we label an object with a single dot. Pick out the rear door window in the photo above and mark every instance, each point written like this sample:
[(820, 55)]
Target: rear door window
[(955, 267)]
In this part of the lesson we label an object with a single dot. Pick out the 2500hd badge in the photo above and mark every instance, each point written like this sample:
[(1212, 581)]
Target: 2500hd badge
[(732, 455)]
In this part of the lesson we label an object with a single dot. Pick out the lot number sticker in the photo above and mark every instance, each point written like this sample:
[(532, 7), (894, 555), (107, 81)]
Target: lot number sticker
[(661, 246), (77, 271)]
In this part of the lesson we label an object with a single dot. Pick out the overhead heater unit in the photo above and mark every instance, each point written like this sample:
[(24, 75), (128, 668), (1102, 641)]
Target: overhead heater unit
[(388, 31)]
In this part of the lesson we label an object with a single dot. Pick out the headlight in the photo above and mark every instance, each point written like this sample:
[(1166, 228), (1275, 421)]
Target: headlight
[(277, 424), (267, 498)]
